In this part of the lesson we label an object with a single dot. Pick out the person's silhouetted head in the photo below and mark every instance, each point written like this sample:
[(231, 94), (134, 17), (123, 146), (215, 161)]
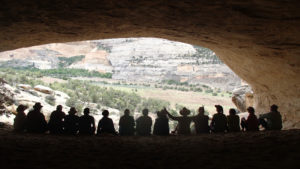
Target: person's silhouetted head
[(159, 114), (201, 110), (37, 106), (219, 108), (86, 111), (274, 108), (21, 108), (72, 111), (145, 112), (105, 113), (232, 112), (126, 112), (184, 111), (59, 108), (250, 110)]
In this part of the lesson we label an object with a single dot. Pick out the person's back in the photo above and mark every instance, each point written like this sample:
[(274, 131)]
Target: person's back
[(86, 123), (55, 124), (126, 124), (106, 125), (143, 124), (274, 119), (36, 122), (71, 122), (233, 121), (201, 122), (219, 120), (161, 125), (184, 122), (252, 123), (20, 119)]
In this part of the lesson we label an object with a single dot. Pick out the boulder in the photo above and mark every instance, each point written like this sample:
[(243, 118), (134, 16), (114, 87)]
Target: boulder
[(24, 86), (242, 97), (43, 89)]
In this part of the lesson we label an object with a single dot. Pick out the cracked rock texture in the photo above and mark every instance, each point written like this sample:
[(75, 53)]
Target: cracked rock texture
[(257, 39)]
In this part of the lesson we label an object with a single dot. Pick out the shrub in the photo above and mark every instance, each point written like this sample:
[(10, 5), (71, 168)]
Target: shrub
[(34, 93), (50, 100), (208, 91)]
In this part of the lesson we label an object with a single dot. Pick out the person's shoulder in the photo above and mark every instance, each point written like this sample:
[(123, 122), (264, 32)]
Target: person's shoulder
[(31, 111)]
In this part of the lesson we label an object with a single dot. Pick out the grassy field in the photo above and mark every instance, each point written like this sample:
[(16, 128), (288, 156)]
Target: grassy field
[(189, 99)]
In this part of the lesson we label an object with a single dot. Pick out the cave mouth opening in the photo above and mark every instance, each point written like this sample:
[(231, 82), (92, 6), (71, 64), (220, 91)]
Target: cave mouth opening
[(121, 73)]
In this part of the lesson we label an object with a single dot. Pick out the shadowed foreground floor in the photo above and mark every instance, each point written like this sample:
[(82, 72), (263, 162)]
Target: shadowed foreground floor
[(279, 149)]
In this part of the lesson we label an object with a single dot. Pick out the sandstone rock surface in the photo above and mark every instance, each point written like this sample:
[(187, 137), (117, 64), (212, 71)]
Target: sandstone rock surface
[(242, 97), (258, 39)]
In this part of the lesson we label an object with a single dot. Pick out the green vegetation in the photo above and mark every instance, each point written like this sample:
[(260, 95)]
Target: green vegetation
[(174, 82), (67, 61), (61, 73), (211, 57), (65, 73), (81, 92), (118, 95)]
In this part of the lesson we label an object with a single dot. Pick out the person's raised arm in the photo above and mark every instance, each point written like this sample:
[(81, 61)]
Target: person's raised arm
[(169, 115)]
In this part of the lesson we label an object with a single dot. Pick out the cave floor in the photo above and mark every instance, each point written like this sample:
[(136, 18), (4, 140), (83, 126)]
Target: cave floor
[(277, 149)]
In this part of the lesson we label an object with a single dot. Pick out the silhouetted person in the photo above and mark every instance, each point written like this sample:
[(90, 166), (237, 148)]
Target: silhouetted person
[(201, 121), (143, 124), (20, 119), (71, 122), (36, 122), (161, 125), (274, 119), (106, 125), (233, 121), (184, 121), (219, 120), (55, 124), (126, 124), (86, 123), (251, 124)]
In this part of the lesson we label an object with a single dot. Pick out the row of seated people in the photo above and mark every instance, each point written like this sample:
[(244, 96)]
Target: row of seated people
[(60, 123)]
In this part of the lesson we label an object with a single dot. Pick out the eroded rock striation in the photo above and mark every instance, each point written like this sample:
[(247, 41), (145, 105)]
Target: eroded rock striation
[(259, 39)]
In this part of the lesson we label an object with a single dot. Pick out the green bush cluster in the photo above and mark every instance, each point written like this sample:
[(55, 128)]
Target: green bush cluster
[(81, 92), (67, 61), (61, 73)]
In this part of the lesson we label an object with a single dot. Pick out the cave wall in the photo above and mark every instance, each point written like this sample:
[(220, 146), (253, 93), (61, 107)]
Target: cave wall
[(258, 39)]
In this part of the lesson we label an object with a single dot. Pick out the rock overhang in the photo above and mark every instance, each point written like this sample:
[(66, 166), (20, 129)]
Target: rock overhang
[(259, 40)]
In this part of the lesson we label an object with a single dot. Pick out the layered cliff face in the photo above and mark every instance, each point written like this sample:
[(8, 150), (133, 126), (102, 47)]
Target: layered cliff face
[(130, 59), (259, 39)]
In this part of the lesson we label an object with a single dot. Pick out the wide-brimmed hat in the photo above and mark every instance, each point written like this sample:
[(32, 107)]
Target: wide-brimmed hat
[(219, 107), (37, 105), (185, 111)]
